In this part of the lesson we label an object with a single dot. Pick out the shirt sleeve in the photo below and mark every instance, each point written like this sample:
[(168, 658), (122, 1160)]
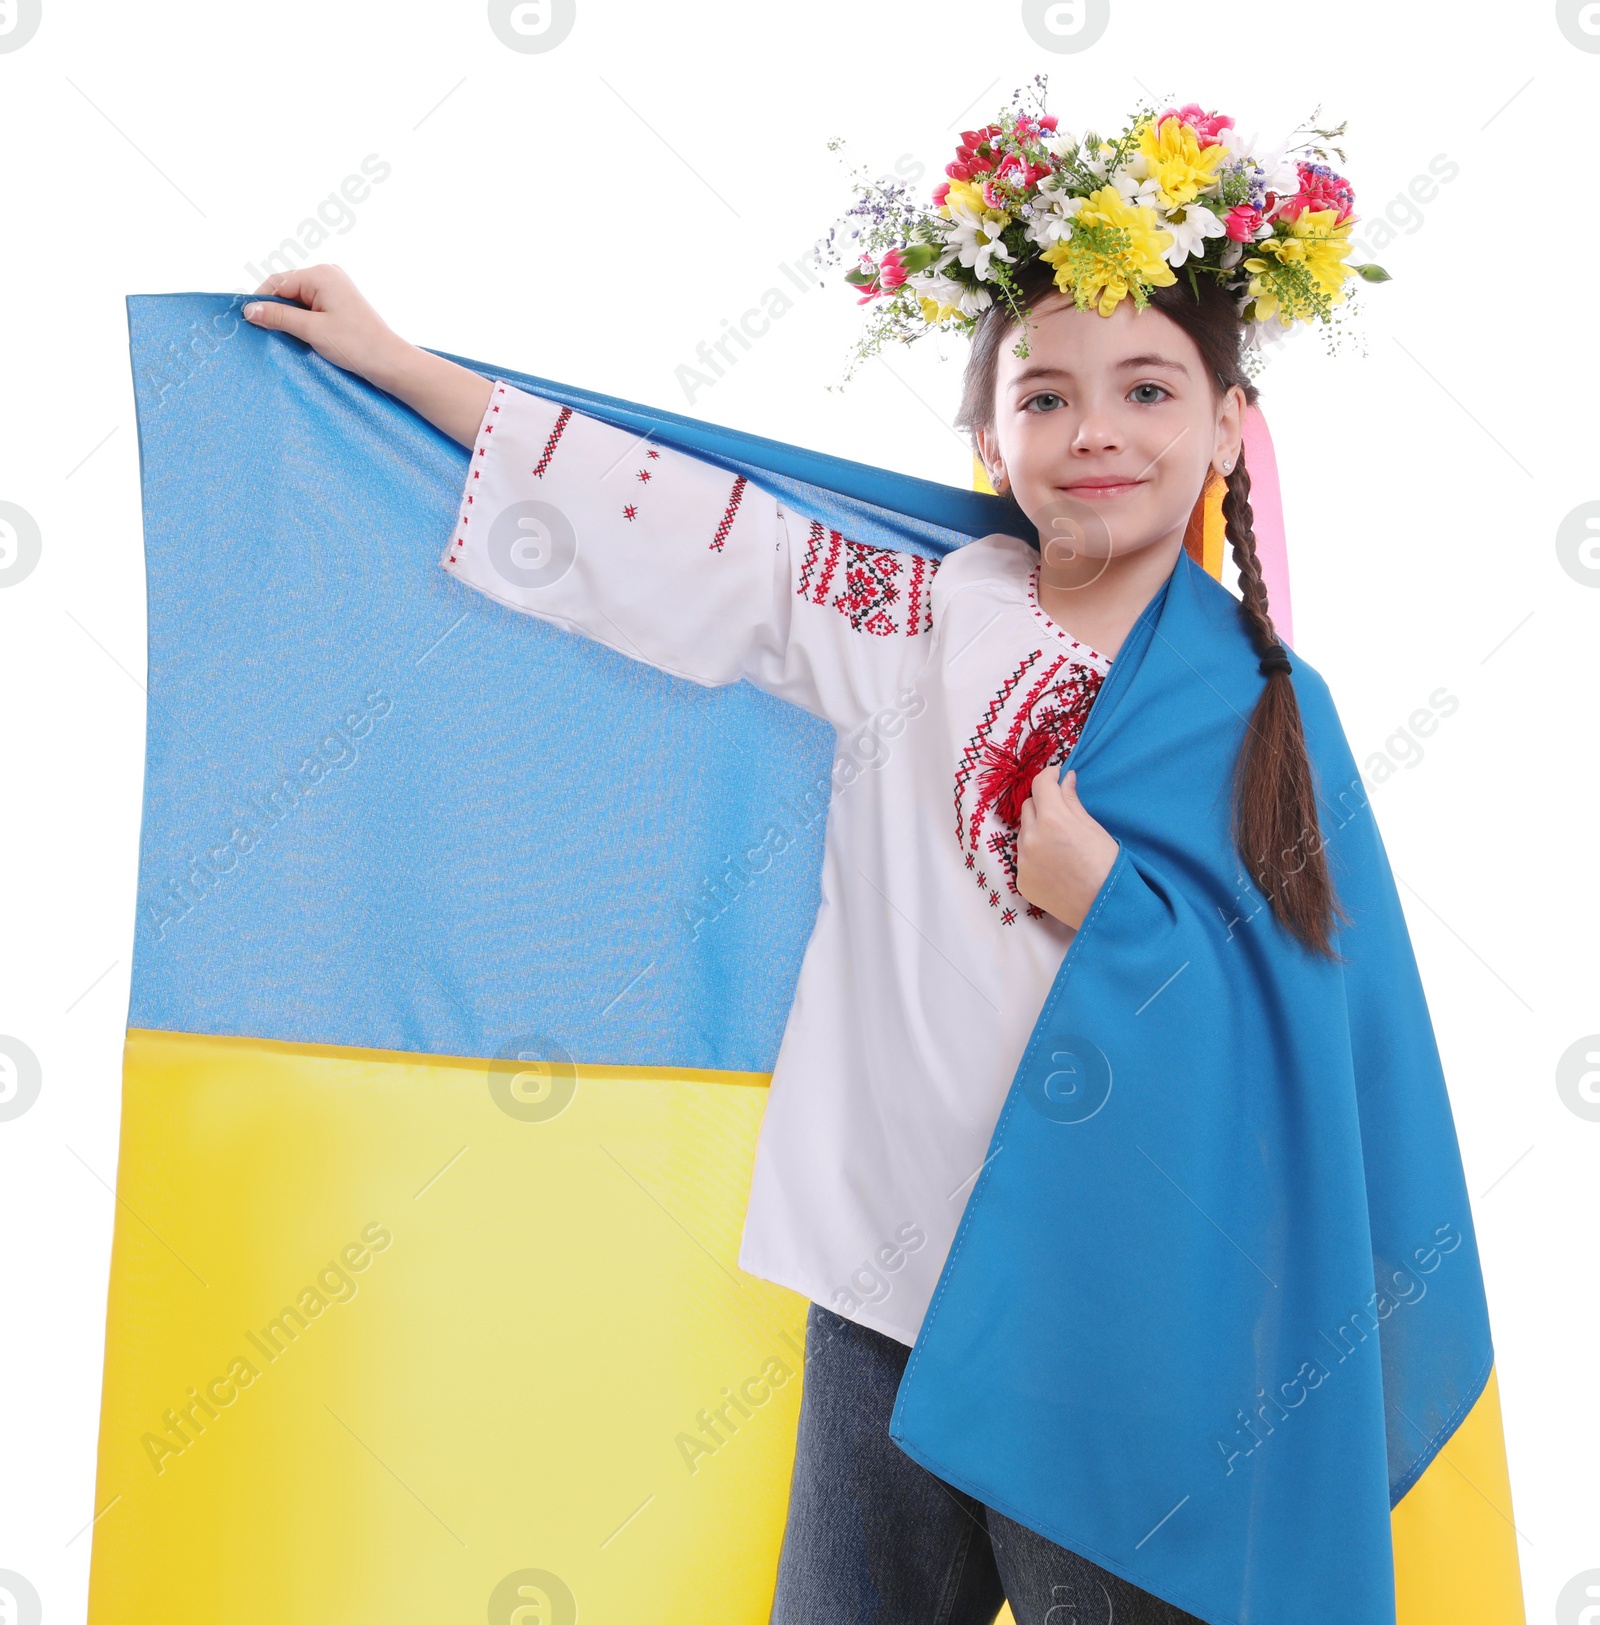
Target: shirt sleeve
[(674, 561)]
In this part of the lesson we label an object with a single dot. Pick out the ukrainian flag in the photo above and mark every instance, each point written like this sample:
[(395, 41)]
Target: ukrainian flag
[(438, 1115)]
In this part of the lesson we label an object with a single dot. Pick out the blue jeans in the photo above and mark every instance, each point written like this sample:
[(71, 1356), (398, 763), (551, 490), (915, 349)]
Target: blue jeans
[(874, 1538)]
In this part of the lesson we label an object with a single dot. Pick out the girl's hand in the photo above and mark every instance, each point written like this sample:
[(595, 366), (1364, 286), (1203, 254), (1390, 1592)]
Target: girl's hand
[(1063, 855), (343, 328), (339, 324)]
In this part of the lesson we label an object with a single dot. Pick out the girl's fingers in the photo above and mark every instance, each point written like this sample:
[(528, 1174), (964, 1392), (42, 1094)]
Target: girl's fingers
[(311, 284), (306, 283), (301, 285), (285, 318)]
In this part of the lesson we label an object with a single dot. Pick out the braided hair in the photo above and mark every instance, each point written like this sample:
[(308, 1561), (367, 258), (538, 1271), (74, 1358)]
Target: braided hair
[(1274, 807)]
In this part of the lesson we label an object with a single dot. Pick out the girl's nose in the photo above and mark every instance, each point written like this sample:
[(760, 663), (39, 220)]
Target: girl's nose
[(1096, 431)]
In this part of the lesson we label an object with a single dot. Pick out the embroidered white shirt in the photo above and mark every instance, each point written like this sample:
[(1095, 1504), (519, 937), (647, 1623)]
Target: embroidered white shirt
[(950, 687)]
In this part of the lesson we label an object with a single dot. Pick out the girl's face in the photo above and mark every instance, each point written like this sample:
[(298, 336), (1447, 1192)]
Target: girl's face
[(1104, 433)]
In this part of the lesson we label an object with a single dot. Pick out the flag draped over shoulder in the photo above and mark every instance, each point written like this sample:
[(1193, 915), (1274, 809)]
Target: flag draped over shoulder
[(454, 997)]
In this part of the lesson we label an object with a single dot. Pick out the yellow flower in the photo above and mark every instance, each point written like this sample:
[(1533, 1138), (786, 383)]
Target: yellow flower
[(933, 312), (1301, 276), (968, 196), (1180, 166), (1115, 249)]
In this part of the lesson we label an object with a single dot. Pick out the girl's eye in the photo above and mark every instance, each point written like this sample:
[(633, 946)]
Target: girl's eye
[(1044, 401), (1147, 400)]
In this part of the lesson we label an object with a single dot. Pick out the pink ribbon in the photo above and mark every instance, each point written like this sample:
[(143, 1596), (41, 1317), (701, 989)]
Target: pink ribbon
[(1266, 507)]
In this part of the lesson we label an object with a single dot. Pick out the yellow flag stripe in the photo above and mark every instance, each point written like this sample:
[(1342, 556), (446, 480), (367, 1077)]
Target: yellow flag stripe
[(317, 1247), (1455, 1545), (383, 1335), (1216, 530)]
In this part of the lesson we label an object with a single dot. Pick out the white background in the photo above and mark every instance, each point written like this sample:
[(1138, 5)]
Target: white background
[(591, 214)]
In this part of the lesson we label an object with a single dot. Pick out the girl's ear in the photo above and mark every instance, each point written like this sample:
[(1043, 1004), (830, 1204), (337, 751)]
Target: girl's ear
[(1230, 431), (993, 465)]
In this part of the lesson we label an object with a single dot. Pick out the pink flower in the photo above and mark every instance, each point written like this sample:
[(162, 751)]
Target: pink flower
[(888, 274), (1320, 188), (891, 269), (940, 193), (1207, 126), (975, 156), (1243, 221), (1017, 172)]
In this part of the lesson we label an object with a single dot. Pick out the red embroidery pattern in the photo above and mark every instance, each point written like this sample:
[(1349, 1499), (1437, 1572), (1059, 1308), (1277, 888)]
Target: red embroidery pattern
[(644, 476), (1031, 723), (1051, 626), (876, 580), (477, 474), (562, 419), (735, 497)]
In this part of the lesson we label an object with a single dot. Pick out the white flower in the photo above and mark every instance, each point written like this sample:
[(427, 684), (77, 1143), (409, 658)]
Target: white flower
[(1054, 208), (932, 284), (1261, 337), (1190, 227), (1280, 168), (1096, 157), (945, 290), (976, 239), (1136, 184)]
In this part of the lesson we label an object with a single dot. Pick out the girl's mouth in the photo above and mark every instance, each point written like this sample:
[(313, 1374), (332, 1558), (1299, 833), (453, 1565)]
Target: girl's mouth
[(1103, 488)]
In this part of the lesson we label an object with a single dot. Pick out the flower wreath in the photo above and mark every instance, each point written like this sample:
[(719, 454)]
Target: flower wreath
[(1175, 192)]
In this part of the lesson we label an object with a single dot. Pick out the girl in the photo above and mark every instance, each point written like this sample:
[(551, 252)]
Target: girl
[(959, 869)]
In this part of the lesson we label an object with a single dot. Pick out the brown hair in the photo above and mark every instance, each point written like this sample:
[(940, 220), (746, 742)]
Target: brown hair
[(1274, 795)]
